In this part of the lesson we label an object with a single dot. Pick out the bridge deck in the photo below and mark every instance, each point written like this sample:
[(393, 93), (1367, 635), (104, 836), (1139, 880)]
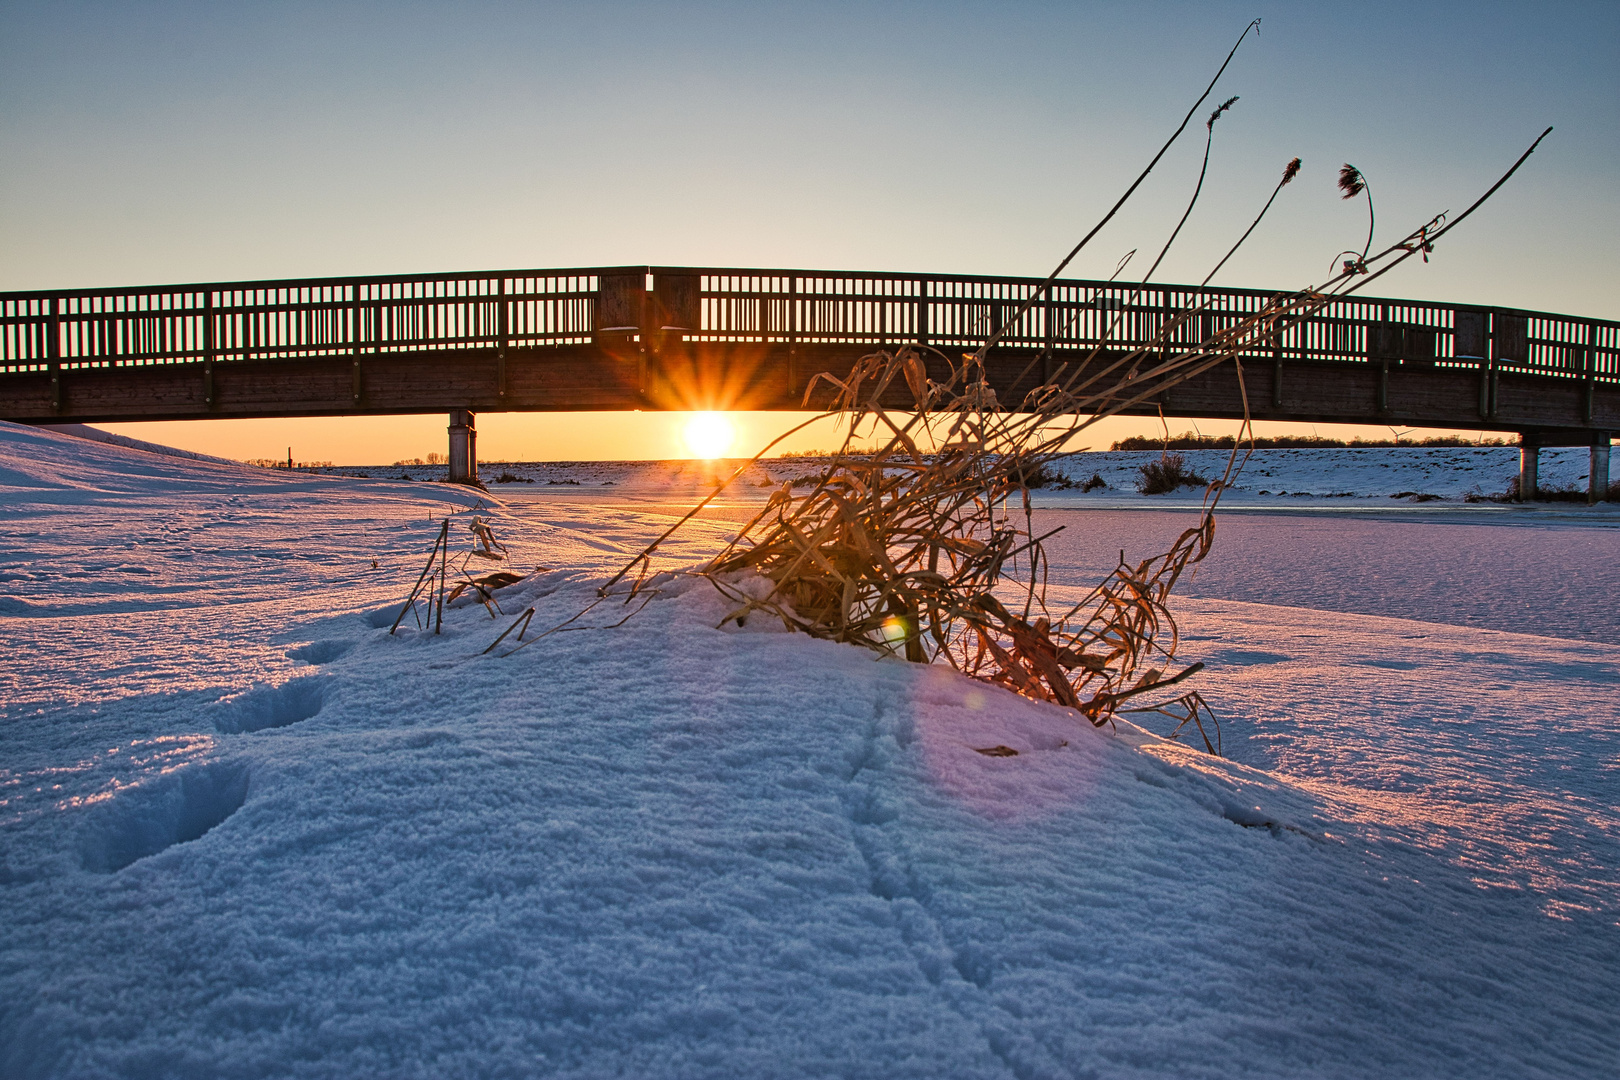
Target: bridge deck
[(681, 337)]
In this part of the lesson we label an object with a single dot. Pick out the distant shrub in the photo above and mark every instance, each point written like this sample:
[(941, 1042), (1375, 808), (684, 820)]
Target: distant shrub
[(1167, 474), (1041, 475), (1567, 493), (1095, 483), (1560, 493)]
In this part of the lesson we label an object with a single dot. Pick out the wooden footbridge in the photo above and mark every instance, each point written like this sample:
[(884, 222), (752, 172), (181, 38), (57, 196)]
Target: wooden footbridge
[(659, 337)]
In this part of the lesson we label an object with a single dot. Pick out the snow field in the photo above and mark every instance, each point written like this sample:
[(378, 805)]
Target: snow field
[(268, 839), (1271, 478)]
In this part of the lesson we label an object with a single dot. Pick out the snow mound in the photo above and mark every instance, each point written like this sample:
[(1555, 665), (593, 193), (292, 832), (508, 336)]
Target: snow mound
[(42, 465), (95, 434), (670, 849)]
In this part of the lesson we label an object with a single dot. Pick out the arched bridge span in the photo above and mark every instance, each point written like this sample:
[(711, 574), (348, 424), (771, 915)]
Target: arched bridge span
[(643, 337)]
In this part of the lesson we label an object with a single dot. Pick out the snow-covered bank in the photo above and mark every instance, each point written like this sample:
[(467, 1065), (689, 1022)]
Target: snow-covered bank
[(264, 838), (1449, 472), (1271, 477), (127, 572)]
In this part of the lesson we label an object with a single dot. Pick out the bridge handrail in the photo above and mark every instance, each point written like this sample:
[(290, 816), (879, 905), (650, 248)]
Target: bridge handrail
[(324, 317)]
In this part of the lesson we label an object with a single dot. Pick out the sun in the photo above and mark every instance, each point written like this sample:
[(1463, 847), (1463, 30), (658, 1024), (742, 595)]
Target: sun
[(709, 435)]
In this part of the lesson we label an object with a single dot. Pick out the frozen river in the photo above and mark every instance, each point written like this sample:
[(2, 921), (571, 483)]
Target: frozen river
[(1530, 571)]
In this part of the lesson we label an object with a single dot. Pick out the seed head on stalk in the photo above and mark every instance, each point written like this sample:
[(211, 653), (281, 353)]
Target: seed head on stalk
[(1353, 183)]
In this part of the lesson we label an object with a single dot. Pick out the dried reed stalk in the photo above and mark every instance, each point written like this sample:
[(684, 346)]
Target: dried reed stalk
[(483, 546), (932, 555)]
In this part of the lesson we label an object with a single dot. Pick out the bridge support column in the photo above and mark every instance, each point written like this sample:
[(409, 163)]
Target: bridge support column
[(1529, 465), (463, 448), (1597, 484)]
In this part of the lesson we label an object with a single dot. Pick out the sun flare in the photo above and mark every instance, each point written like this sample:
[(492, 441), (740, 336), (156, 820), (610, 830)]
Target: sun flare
[(709, 435)]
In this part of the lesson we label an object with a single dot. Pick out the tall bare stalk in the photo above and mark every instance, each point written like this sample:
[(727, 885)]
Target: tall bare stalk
[(926, 547), (1290, 171)]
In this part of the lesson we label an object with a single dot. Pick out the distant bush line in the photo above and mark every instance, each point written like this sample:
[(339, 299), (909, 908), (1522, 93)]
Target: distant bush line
[(1188, 441)]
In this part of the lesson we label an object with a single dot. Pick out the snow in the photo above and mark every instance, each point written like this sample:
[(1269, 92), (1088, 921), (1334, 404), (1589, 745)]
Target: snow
[(246, 832)]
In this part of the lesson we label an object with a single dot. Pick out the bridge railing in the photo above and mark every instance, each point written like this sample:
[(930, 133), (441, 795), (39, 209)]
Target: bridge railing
[(315, 318), (291, 320), (958, 312)]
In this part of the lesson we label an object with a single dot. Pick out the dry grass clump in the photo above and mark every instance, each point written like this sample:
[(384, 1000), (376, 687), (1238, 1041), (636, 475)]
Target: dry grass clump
[(925, 547), (434, 587), (932, 556), (1169, 473)]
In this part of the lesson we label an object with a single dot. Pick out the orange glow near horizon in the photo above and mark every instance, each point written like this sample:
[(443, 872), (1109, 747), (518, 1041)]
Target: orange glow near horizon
[(589, 436)]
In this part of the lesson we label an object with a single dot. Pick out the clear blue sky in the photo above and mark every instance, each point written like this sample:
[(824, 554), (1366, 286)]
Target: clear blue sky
[(167, 142)]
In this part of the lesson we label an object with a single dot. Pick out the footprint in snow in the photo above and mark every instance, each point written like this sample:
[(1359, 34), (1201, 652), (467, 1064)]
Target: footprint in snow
[(320, 652), (262, 707), (173, 809)]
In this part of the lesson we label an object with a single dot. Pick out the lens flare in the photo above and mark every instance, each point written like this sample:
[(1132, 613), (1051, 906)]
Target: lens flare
[(709, 435)]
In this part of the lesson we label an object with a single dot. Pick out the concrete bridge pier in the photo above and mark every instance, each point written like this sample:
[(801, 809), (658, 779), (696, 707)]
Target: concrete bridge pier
[(463, 447), (1597, 474), (1597, 487), (1529, 466)]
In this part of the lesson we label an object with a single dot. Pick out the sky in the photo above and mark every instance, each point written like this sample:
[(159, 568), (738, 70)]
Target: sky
[(173, 142)]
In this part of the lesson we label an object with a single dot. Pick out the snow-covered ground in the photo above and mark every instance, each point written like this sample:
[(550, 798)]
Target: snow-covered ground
[(246, 832)]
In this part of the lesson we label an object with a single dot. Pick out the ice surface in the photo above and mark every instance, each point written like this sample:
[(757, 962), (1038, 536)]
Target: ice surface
[(246, 832), (1526, 571)]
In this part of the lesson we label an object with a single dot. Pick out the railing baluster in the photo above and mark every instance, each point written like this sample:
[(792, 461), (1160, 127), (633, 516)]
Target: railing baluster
[(208, 347), (500, 336), (53, 345)]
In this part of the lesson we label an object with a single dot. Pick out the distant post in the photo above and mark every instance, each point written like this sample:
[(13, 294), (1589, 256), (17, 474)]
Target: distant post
[(1597, 484), (1529, 465), (463, 448)]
